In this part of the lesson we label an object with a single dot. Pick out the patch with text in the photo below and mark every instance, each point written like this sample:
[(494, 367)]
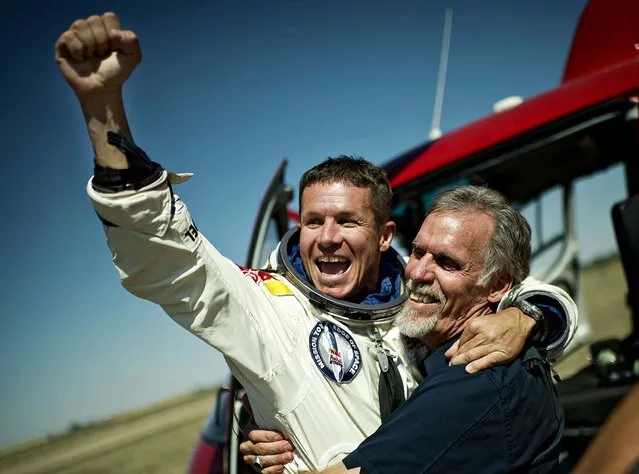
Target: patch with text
[(334, 352)]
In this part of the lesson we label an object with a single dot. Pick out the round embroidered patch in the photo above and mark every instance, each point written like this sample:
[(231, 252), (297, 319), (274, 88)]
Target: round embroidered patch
[(334, 352)]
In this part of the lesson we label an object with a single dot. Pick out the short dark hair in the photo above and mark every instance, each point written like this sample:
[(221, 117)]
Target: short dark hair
[(357, 172), (510, 246)]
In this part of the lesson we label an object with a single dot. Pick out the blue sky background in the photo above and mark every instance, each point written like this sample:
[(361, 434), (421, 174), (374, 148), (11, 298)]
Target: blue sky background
[(226, 90)]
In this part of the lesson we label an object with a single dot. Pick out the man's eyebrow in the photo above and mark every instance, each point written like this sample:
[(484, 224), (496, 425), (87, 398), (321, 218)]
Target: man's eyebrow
[(445, 255), (346, 213), (353, 215), (311, 212), (441, 254)]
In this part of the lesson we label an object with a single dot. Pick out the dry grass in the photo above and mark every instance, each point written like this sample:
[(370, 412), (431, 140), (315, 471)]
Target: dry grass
[(157, 439), (166, 452)]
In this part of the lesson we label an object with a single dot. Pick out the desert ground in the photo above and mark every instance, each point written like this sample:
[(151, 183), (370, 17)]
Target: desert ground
[(156, 440), (160, 439)]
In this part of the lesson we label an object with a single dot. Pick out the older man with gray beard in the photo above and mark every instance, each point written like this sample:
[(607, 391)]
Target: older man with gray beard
[(411, 323), (471, 249)]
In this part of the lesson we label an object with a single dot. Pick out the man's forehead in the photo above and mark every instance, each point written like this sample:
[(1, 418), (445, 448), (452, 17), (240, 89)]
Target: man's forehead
[(340, 193), (461, 231)]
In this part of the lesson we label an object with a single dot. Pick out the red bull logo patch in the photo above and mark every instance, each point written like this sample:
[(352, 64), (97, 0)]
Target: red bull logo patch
[(274, 286)]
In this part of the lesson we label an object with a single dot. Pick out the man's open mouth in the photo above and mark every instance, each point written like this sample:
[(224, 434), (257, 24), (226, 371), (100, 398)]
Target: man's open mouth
[(424, 298), (333, 265)]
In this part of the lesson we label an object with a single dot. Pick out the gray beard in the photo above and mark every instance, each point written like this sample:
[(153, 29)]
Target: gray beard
[(409, 321), (411, 324)]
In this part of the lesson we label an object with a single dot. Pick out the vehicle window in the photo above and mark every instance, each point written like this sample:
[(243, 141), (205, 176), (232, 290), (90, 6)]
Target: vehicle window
[(587, 225), (547, 223)]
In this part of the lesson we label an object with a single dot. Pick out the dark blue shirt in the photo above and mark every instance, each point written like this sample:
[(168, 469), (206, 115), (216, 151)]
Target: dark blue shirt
[(503, 419)]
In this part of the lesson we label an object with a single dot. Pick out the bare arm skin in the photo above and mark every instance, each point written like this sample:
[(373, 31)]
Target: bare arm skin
[(96, 57), (616, 447)]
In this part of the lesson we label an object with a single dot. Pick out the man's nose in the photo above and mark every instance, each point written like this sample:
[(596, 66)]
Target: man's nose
[(330, 235), (422, 270)]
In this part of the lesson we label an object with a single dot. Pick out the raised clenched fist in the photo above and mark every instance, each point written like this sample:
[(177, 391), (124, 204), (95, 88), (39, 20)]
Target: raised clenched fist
[(96, 56)]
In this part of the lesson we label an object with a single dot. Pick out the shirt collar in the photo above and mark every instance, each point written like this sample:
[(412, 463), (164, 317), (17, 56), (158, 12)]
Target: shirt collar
[(436, 360)]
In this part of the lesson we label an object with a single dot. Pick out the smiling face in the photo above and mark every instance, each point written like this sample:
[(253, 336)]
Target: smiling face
[(443, 272), (340, 240)]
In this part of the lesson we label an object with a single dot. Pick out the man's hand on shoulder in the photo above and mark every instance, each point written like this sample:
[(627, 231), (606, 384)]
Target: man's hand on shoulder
[(491, 340)]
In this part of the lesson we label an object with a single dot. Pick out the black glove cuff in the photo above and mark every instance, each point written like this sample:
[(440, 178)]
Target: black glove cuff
[(141, 172)]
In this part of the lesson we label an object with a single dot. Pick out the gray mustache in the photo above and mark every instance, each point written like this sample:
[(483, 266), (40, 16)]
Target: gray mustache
[(421, 289)]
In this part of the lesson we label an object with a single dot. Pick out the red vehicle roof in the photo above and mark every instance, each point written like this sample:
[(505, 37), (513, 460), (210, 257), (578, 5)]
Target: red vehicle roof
[(601, 66), (571, 97)]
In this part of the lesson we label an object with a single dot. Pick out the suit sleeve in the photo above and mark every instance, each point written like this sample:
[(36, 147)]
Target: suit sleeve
[(162, 257), (561, 315)]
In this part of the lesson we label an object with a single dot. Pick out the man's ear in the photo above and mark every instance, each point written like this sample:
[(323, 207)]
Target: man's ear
[(387, 232), (499, 286)]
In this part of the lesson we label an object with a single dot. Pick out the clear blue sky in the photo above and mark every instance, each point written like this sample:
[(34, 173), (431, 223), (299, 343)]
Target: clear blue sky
[(226, 90)]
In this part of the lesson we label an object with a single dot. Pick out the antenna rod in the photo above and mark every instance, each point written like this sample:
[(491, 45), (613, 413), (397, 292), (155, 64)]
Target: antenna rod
[(435, 131)]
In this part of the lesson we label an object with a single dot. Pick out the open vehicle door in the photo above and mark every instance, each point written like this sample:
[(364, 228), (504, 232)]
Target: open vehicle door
[(217, 452)]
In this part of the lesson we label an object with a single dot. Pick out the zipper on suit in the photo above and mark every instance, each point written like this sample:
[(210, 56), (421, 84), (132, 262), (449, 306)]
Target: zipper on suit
[(382, 356)]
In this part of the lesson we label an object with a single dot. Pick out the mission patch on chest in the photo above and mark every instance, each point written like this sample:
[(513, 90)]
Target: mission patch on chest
[(334, 352)]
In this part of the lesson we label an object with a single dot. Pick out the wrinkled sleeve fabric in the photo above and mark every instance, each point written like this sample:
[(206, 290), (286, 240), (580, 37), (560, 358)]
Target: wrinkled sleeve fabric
[(561, 315), (162, 257)]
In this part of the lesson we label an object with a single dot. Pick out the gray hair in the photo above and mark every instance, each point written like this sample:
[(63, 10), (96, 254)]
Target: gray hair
[(510, 246)]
